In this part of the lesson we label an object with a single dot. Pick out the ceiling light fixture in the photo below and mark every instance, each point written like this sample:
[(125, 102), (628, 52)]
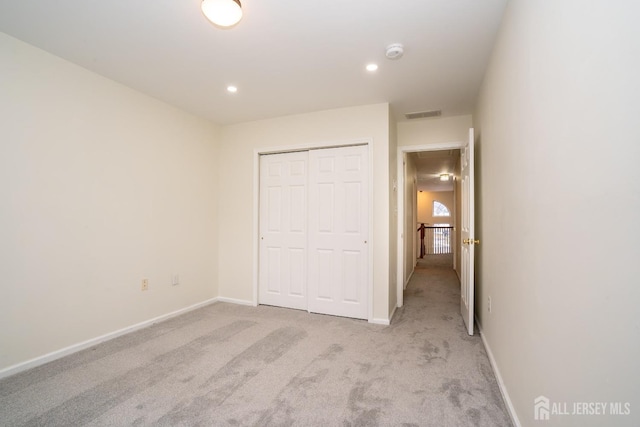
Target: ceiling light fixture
[(232, 89), (223, 13), (444, 177), (372, 67)]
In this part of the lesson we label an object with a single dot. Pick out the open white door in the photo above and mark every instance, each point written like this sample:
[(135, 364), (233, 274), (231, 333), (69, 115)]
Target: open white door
[(468, 238)]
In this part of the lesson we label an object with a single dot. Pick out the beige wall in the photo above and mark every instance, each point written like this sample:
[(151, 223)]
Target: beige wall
[(103, 186), (238, 149), (557, 159), (410, 216), (425, 207), (393, 213), (434, 131), (100, 187)]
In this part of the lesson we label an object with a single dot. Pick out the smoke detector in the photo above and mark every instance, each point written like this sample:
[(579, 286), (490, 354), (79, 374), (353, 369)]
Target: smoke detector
[(394, 51)]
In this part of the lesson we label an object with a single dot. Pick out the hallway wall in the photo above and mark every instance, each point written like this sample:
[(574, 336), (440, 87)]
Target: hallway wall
[(410, 216), (557, 126), (425, 207)]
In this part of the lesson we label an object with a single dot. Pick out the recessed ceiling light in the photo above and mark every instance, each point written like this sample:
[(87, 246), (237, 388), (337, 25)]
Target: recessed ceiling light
[(372, 67), (232, 89)]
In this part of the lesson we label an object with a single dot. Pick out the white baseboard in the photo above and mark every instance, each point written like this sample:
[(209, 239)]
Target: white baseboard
[(237, 301), (41, 360), (392, 313), (409, 278), (377, 321), (496, 371)]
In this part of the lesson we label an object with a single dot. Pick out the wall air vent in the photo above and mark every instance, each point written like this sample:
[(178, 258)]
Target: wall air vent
[(423, 114)]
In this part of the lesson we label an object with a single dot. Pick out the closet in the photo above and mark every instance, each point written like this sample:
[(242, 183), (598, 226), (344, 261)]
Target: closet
[(314, 227)]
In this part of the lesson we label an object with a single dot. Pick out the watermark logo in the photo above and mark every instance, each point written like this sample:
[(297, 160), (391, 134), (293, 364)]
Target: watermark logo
[(544, 408), (541, 408)]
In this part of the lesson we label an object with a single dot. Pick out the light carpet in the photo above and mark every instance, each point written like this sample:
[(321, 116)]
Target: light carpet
[(233, 365)]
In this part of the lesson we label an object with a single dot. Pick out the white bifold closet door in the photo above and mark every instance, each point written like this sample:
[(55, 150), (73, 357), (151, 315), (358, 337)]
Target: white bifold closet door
[(314, 231)]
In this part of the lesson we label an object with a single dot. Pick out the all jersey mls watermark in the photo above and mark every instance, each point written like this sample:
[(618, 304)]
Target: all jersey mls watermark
[(543, 408)]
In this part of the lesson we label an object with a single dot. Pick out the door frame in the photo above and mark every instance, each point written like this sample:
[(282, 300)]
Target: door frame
[(400, 204), (256, 206)]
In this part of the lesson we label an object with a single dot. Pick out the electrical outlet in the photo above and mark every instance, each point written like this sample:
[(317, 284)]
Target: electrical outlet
[(175, 280), (489, 304), (145, 284)]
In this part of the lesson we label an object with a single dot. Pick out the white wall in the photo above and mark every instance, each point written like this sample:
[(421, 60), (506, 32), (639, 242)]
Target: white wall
[(559, 191), (100, 187), (237, 153)]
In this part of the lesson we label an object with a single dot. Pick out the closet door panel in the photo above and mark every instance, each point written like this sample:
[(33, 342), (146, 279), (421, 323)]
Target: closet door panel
[(338, 231), (282, 276)]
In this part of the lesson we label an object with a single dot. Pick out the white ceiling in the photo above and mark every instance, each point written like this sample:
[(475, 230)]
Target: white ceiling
[(431, 164), (285, 56)]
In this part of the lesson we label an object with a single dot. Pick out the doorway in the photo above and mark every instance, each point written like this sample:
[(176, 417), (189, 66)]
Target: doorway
[(420, 169)]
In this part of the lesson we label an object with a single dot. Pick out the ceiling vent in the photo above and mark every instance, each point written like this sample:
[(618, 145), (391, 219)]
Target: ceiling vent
[(423, 114)]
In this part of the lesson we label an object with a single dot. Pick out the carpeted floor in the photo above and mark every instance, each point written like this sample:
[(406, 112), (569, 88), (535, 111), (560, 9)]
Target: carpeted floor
[(440, 261), (239, 366)]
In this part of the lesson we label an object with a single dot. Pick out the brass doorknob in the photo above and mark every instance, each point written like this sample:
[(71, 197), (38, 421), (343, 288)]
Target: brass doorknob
[(471, 242)]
